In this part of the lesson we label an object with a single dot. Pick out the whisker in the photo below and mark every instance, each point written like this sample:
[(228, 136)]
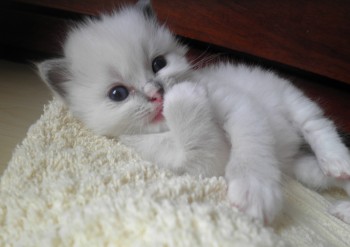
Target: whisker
[(200, 56), (205, 60)]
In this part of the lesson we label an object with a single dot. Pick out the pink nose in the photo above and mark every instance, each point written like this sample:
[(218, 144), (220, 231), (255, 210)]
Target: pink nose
[(154, 92), (157, 97)]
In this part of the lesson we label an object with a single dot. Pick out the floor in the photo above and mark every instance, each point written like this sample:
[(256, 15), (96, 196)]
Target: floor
[(22, 97)]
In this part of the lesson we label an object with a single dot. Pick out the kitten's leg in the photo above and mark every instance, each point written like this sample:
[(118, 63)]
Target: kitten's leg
[(253, 172), (199, 142), (308, 171), (320, 133), (332, 155), (341, 210)]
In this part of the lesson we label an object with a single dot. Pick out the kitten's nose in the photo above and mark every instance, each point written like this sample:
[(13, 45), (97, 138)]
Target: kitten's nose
[(157, 96), (154, 91)]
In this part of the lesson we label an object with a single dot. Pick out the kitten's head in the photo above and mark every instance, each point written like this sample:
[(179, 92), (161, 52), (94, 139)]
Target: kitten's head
[(115, 71)]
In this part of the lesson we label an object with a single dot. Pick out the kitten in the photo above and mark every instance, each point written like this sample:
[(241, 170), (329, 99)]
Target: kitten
[(126, 76)]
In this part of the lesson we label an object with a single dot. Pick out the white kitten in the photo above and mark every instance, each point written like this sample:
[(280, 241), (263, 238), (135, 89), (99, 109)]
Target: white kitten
[(126, 76)]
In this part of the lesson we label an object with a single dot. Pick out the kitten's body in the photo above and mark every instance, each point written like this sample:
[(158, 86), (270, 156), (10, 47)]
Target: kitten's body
[(244, 123)]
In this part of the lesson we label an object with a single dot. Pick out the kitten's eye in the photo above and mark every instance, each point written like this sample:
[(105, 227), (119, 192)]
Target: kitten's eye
[(118, 93), (158, 63)]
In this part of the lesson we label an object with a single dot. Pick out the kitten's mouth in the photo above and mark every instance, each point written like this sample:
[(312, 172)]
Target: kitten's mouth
[(158, 117)]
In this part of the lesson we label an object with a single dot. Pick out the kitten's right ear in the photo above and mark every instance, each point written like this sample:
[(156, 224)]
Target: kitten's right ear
[(147, 9), (55, 72)]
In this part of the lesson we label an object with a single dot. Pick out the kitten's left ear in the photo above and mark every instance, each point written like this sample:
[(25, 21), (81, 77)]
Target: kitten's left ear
[(55, 73), (147, 9)]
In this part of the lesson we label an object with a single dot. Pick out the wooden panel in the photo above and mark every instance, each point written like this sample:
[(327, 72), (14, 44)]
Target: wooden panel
[(88, 7), (31, 31), (309, 35)]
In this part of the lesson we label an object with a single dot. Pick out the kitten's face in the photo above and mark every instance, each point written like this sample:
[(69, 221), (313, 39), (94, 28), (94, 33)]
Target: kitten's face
[(116, 71)]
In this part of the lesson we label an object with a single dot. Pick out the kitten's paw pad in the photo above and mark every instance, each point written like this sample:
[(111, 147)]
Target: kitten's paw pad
[(335, 165), (260, 201), (341, 210)]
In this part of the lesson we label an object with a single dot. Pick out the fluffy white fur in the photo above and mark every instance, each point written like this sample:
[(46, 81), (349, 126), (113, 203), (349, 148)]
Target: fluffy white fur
[(241, 122)]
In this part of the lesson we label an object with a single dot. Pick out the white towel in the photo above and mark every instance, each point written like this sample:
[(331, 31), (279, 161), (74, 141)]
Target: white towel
[(65, 186)]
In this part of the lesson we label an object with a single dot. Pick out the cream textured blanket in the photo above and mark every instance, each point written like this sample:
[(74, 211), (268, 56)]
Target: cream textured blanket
[(68, 187)]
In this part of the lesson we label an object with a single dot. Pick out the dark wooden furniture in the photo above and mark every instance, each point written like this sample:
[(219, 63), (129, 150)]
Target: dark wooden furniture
[(307, 41)]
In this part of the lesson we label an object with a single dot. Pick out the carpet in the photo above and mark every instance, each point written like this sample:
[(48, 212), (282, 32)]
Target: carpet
[(65, 186)]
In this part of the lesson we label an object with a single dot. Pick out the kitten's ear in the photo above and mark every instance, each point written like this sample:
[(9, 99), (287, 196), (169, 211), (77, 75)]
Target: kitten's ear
[(147, 9), (55, 72)]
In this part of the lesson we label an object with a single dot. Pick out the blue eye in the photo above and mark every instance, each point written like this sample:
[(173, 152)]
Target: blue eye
[(118, 93)]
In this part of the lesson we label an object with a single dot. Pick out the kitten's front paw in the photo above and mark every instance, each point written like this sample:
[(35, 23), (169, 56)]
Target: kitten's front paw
[(185, 101), (261, 200), (185, 92), (341, 210), (336, 164)]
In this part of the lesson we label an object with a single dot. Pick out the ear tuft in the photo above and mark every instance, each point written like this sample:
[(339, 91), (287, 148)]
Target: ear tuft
[(147, 9), (55, 72)]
